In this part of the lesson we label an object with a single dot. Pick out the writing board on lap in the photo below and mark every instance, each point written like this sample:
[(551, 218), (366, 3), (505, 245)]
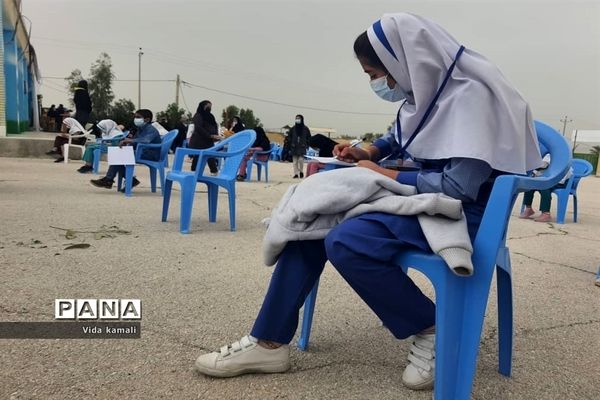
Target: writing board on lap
[(121, 156), (330, 161)]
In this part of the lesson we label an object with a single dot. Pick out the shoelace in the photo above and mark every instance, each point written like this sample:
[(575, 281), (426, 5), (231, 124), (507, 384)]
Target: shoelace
[(422, 352), (243, 343)]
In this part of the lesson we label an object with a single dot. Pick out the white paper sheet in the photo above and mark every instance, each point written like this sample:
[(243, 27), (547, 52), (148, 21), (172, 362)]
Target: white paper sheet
[(121, 155), (330, 160)]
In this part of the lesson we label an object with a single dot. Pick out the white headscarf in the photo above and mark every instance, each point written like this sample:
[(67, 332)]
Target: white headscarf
[(73, 125), (479, 114), (109, 128)]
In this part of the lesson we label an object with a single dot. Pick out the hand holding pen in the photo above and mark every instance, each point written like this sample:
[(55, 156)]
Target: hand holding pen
[(350, 152)]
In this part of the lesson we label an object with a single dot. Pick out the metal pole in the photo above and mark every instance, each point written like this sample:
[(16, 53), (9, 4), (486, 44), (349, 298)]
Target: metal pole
[(177, 83), (140, 78), (565, 120)]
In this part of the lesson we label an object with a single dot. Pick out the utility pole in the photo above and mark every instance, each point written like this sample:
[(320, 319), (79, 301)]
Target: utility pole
[(140, 78), (177, 83), (565, 121)]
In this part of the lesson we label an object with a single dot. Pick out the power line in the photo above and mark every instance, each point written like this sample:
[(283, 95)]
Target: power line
[(280, 103), (117, 80)]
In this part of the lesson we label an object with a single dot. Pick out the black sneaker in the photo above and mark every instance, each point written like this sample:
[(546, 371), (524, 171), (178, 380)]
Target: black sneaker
[(134, 183), (240, 178), (301, 175), (52, 152), (59, 159), (85, 169), (102, 183), (295, 177)]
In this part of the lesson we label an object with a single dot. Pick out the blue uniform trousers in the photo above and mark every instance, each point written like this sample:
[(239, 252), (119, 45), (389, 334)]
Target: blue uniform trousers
[(361, 249)]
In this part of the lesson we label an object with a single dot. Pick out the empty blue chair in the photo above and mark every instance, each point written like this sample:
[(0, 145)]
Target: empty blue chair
[(581, 169), (461, 301), (231, 151), (259, 165)]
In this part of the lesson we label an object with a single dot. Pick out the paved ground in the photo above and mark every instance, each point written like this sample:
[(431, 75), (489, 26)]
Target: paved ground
[(202, 290)]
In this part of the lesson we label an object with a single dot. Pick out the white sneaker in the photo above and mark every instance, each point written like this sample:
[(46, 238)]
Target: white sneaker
[(419, 373), (244, 357)]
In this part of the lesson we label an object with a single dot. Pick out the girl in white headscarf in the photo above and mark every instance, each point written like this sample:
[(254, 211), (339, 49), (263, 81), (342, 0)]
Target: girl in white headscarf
[(464, 124), (109, 130), (70, 126)]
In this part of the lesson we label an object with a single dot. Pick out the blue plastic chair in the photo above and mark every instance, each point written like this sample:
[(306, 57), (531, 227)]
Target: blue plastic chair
[(461, 301), (274, 152), (259, 165), (103, 149), (231, 150), (581, 169)]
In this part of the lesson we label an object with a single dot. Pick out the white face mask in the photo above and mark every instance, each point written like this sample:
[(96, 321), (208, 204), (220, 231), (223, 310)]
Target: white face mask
[(298, 120), (138, 122), (381, 89)]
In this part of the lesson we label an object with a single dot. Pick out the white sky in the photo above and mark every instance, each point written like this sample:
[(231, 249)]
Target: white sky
[(300, 52)]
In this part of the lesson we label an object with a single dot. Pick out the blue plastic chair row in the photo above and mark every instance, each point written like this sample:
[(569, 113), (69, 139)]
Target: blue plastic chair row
[(461, 301), (231, 151)]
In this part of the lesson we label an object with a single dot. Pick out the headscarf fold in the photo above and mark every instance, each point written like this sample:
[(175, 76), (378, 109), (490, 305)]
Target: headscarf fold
[(479, 114), (73, 125), (109, 128)]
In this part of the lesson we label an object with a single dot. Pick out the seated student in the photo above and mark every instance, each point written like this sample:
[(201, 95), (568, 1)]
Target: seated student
[(146, 133), (545, 195), (262, 143), (410, 59), (108, 130), (325, 147), (70, 126)]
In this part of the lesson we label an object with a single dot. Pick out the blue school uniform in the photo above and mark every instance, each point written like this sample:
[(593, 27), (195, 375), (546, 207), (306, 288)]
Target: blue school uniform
[(362, 248)]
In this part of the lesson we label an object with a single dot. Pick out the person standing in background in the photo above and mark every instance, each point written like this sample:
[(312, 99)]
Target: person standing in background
[(299, 137), (83, 103), (60, 111), (206, 132)]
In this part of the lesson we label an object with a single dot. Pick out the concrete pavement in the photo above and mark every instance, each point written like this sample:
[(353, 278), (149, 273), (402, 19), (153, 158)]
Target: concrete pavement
[(202, 290)]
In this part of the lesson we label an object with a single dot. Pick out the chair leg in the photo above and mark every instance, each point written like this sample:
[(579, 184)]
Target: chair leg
[(97, 154), (213, 198), (128, 179), (152, 179), (267, 172), (231, 195), (188, 189), (166, 199), (249, 170), (574, 208), (505, 312), (161, 174), (258, 172), (309, 308), (561, 208), (66, 153)]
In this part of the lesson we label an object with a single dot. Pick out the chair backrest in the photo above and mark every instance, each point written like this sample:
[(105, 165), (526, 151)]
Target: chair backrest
[(165, 144), (240, 142), (581, 169), (492, 231)]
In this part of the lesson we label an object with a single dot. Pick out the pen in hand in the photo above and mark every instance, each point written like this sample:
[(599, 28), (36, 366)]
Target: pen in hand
[(353, 143)]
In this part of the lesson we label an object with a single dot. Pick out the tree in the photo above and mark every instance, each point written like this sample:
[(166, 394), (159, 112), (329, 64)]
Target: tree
[(172, 114), (228, 114), (100, 86), (248, 118), (595, 150), (122, 112), (72, 81)]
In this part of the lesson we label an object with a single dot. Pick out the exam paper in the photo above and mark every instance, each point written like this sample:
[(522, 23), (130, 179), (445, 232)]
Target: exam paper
[(121, 155), (330, 160)]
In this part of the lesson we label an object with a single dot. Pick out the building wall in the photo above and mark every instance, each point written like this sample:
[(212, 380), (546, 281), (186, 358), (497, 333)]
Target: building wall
[(2, 97)]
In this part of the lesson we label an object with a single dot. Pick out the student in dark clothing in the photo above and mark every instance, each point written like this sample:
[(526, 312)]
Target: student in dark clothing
[(60, 111), (237, 125), (51, 118), (206, 132), (146, 134), (83, 103), (299, 137), (182, 128), (262, 143)]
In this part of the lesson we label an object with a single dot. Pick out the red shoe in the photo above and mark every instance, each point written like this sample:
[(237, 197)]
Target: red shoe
[(527, 213), (545, 217)]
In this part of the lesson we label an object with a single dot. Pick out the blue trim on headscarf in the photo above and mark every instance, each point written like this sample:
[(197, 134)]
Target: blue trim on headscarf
[(378, 29)]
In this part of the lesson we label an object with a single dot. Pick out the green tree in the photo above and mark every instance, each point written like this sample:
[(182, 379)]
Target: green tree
[(122, 112), (72, 81), (228, 114), (248, 118), (595, 150), (100, 86), (172, 114)]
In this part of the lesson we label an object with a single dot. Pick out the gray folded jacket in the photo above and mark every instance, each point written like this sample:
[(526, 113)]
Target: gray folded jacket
[(309, 210)]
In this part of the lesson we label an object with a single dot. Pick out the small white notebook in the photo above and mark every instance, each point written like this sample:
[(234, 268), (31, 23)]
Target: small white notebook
[(121, 155), (330, 160)]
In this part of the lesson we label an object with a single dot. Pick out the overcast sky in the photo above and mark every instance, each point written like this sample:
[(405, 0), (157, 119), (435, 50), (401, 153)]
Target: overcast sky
[(299, 52)]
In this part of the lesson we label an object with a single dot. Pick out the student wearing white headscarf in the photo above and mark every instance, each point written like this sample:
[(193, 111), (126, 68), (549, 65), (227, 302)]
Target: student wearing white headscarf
[(70, 126), (464, 124), (109, 130)]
